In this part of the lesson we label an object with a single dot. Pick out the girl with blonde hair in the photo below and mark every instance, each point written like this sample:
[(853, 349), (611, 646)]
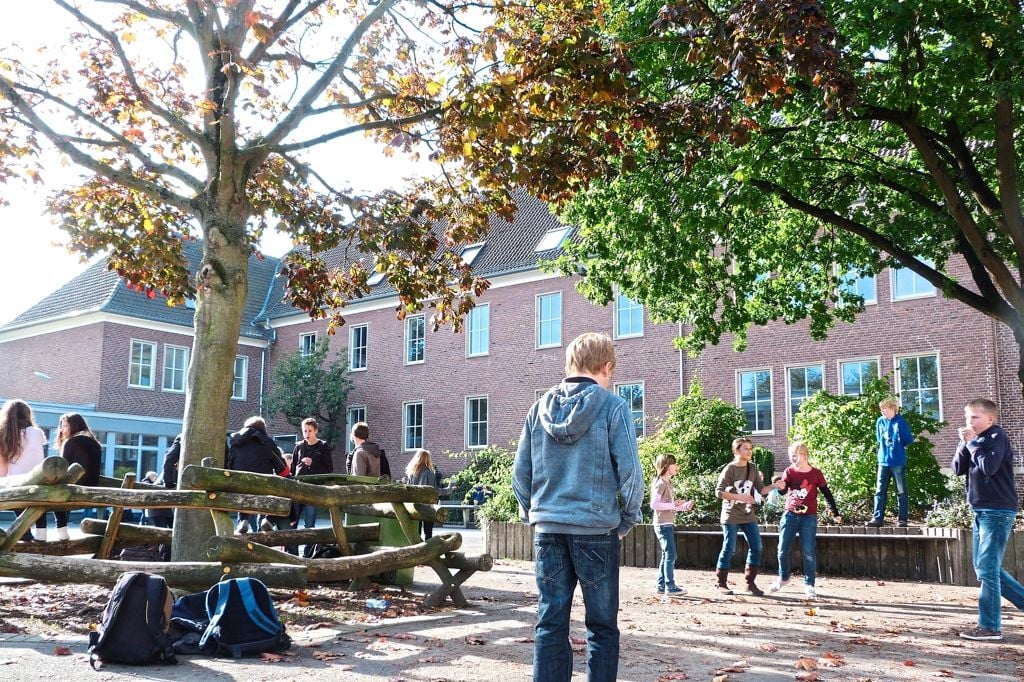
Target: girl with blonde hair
[(420, 471)]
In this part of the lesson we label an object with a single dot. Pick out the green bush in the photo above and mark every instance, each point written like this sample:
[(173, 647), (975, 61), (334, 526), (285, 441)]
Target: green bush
[(951, 511), (491, 468), (840, 434)]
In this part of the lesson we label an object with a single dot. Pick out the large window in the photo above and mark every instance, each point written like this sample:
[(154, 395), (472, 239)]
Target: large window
[(854, 374), (549, 320), (476, 422), (142, 364), (908, 284), (803, 382), (412, 425), (629, 317), (241, 383), (865, 286), (175, 368), (415, 339), (354, 415), (633, 394), (755, 398), (478, 330), (136, 453), (357, 340), (307, 344), (918, 383)]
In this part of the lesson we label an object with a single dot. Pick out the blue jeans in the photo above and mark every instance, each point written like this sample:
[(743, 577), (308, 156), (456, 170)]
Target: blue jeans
[(753, 535), (898, 474), (806, 525), (666, 567), (562, 561), (308, 515), (991, 531)]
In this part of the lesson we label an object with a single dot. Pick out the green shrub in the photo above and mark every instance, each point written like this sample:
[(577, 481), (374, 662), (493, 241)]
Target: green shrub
[(951, 511), (491, 468), (840, 434)]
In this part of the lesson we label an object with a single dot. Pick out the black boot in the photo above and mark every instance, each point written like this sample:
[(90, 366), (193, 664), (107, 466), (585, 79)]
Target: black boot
[(751, 575), (723, 584)]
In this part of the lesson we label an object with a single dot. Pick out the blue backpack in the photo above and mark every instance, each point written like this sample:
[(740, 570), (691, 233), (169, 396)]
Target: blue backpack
[(241, 618)]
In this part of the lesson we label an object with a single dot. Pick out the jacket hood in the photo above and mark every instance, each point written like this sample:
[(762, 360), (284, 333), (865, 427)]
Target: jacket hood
[(370, 448), (247, 434), (567, 411)]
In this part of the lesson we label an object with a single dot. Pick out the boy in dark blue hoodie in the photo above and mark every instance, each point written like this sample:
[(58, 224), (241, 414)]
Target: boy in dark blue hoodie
[(985, 457), (577, 456)]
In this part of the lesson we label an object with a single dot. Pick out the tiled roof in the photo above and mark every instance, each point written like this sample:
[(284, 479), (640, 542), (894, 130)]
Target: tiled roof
[(509, 247), (100, 290)]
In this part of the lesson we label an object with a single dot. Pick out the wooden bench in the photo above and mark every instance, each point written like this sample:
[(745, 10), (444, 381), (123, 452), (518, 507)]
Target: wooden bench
[(465, 511)]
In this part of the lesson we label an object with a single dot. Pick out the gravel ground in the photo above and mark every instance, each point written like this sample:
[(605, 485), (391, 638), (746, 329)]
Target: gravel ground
[(857, 630)]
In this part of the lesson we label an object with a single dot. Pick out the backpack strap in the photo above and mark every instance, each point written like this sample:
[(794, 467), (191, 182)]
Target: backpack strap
[(253, 609), (223, 591), (156, 598)]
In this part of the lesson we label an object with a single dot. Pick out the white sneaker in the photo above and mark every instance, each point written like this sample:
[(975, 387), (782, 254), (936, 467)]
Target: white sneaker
[(39, 534), (809, 592), (778, 585), (62, 533)]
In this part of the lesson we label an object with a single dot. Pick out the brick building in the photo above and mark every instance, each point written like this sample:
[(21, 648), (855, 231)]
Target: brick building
[(119, 358)]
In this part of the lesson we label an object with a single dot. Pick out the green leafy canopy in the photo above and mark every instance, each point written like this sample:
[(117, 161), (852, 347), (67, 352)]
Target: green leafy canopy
[(312, 386)]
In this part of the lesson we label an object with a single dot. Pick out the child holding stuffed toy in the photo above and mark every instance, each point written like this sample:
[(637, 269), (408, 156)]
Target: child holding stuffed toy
[(802, 483)]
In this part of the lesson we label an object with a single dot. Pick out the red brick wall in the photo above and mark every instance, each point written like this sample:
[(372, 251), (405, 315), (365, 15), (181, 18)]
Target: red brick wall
[(71, 359), (509, 375)]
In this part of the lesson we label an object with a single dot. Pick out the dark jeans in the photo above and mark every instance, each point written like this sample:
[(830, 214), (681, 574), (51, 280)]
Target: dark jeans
[(753, 535), (427, 529), (562, 561), (806, 525), (899, 475)]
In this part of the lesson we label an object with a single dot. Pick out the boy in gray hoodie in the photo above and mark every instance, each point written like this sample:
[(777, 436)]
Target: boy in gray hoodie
[(577, 456)]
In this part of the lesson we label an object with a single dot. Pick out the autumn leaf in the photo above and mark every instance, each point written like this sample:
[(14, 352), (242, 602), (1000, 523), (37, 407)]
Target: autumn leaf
[(673, 676), (807, 677), (737, 667), (831, 660), (909, 663), (767, 647), (326, 655), (523, 640), (943, 673), (61, 651), (475, 640), (271, 657), (804, 663)]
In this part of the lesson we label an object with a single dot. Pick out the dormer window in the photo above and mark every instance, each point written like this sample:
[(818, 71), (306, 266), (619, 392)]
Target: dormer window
[(470, 253), (552, 239), (375, 279)]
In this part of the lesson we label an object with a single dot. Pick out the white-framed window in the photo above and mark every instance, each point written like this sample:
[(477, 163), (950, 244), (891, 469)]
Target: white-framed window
[(552, 239), (476, 422), (358, 337), (353, 415), (175, 368), (864, 286), (754, 397), (854, 374), (307, 344), (241, 383), (135, 452), (907, 284), (415, 339), (470, 253), (629, 317), (412, 425), (919, 383), (801, 384), (142, 364), (549, 320), (478, 330), (633, 394)]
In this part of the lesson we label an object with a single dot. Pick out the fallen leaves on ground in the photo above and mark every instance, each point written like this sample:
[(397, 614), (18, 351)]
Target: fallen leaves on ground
[(326, 655), (737, 667), (523, 640), (804, 663), (943, 673), (271, 657), (767, 647), (909, 663), (807, 677), (475, 640), (673, 676), (61, 651), (831, 660)]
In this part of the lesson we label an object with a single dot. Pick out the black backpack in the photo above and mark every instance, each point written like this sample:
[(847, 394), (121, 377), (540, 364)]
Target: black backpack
[(385, 467), (133, 627), (242, 619)]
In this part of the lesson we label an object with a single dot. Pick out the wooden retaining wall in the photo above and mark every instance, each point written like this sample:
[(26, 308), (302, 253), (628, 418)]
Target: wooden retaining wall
[(938, 555)]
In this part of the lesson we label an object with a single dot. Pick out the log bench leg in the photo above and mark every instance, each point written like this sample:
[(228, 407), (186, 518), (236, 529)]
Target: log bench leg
[(450, 585)]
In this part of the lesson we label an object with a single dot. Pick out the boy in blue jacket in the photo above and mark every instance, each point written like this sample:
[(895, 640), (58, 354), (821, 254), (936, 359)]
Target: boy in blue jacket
[(893, 435), (985, 457), (577, 457)]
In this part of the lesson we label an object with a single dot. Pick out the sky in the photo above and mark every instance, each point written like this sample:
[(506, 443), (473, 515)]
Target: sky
[(34, 260)]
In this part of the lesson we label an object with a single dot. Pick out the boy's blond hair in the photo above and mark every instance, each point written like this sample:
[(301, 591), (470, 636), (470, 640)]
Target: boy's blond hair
[(984, 405), (588, 354), (889, 402)]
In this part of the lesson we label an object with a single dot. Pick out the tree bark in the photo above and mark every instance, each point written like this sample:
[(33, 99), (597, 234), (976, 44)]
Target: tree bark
[(227, 481), (186, 575), (131, 534), (48, 472), (221, 289), (81, 497), (417, 511)]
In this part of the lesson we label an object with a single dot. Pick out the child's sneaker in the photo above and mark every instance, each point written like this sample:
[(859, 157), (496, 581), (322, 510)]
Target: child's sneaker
[(809, 592), (982, 634), (674, 589), (778, 585)]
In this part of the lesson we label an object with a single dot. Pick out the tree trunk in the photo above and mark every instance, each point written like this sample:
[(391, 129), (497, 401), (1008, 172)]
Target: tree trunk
[(81, 497), (187, 575), (221, 288), (130, 534), (51, 470)]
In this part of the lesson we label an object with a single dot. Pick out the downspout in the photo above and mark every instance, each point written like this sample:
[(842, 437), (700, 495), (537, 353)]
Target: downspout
[(680, 350)]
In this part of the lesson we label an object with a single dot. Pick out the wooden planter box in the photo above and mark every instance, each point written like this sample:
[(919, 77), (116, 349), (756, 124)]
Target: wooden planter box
[(938, 555)]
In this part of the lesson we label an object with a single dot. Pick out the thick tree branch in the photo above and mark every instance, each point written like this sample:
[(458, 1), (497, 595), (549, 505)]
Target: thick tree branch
[(1006, 176), (983, 194), (171, 17), (61, 142), (279, 26), (996, 308), (180, 126)]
